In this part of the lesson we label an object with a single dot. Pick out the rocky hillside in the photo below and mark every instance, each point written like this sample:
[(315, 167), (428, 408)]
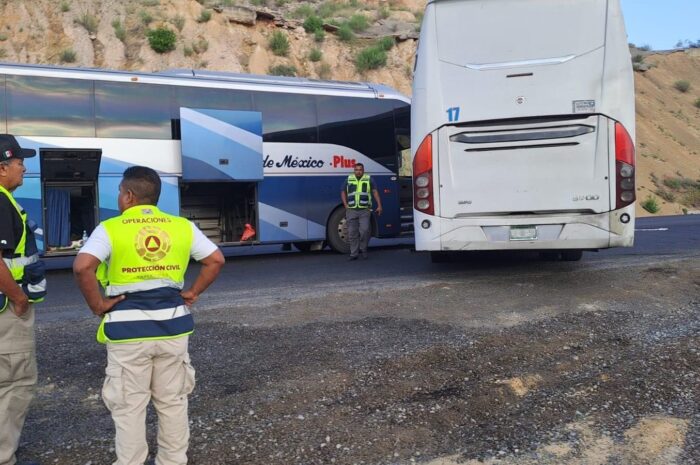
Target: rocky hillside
[(277, 37)]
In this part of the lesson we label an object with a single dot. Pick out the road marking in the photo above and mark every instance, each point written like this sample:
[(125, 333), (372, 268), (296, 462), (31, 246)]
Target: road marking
[(656, 229)]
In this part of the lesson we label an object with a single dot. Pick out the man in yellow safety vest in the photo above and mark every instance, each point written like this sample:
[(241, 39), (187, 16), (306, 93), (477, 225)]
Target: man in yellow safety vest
[(356, 194), (141, 257), (22, 283)]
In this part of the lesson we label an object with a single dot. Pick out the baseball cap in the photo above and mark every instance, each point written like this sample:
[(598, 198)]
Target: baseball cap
[(9, 148)]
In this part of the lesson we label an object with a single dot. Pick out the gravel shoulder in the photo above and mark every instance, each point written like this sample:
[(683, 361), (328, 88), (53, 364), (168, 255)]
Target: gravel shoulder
[(562, 364)]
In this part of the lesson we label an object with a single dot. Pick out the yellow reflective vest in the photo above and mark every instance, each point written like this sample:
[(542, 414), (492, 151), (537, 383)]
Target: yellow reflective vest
[(358, 193), (25, 266), (149, 258)]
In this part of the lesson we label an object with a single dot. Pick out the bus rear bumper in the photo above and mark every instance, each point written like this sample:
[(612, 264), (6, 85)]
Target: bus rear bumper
[(549, 232)]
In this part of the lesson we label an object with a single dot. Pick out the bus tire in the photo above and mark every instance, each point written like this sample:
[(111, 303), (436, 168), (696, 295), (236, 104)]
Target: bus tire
[(337, 231), (571, 255)]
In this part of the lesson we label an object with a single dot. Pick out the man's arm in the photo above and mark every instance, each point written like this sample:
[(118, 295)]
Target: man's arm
[(8, 286), (84, 268), (211, 266), (377, 199), (344, 197)]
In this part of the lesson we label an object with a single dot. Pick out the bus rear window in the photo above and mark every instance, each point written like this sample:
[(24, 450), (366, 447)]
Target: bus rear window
[(477, 32)]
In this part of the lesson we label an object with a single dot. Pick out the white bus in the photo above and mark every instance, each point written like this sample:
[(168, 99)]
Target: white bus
[(522, 127), (250, 159)]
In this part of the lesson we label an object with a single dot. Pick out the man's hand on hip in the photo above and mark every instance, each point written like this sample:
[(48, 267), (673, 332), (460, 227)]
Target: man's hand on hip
[(20, 305), (190, 297), (105, 304)]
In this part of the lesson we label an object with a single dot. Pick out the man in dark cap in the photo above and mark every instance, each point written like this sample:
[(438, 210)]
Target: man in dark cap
[(22, 283)]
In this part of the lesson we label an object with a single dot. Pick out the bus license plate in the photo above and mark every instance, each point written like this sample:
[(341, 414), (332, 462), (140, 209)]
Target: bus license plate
[(523, 233)]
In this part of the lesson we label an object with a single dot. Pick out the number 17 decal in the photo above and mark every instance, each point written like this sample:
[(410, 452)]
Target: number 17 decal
[(453, 114)]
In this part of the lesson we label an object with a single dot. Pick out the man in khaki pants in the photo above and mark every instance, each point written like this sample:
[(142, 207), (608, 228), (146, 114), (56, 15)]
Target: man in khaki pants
[(141, 257), (21, 284)]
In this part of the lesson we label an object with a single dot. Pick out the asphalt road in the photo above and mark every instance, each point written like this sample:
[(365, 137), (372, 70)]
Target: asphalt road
[(278, 277)]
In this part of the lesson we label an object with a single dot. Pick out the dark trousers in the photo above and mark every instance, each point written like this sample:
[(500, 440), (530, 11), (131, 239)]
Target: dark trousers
[(358, 230)]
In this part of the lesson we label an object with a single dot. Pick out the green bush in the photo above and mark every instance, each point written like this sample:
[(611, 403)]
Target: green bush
[(345, 33), (383, 12), (146, 17), (697, 102), (200, 46), (187, 51), (329, 8), (638, 59), (386, 43), (282, 70), (681, 86), (89, 22), (315, 55), (68, 56), (65, 6), (151, 2), (358, 22), (370, 58), (162, 40), (324, 71), (320, 35), (179, 22), (3, 37), (279, 44), (303, 11), (204, 16), (650, 204), (119, 30), (313, 23), (668, 196)]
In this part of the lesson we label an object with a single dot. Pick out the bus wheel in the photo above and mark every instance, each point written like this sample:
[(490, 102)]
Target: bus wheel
[(571, 255), (337, 232)]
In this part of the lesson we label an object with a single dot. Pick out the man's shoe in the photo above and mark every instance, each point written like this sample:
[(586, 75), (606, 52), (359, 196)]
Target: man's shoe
[(364, 256), (352, 257)]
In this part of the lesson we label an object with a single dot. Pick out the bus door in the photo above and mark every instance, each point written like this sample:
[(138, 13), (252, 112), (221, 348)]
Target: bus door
[(222, 164), (69, 197)]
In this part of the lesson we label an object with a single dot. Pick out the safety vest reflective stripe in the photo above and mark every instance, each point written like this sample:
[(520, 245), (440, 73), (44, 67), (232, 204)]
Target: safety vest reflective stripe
[(37, 288), (140, 315), (114, 290), (20, 261)]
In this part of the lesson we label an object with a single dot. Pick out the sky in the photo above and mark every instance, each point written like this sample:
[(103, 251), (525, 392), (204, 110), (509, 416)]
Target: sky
[(661, 23)]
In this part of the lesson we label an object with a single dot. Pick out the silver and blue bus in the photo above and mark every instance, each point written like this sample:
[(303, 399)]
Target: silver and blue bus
[(250, 159)]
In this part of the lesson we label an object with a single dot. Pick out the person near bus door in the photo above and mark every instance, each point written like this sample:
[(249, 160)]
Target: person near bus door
[(357, 200), (22, 284), (140, 257)]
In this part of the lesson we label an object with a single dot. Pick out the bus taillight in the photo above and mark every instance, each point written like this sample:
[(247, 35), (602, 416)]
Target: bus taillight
[(624, 167), (423, 177)]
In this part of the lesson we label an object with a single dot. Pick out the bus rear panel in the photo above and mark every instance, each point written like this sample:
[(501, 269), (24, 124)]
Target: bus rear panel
[(523, 126)]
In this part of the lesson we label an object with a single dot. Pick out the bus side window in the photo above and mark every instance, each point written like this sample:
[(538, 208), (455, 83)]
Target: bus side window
[(365, 125), (287, 117), (140, 111), (43, 106)]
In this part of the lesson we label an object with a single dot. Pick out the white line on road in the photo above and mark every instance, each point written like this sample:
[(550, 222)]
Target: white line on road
[(655, 229)]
